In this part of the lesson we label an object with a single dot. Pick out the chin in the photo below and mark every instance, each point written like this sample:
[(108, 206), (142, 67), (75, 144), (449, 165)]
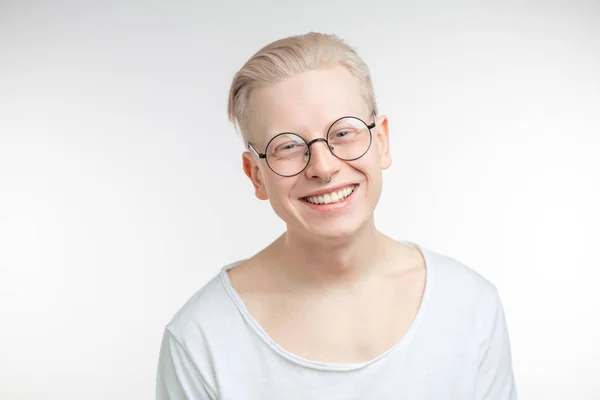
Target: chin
[(338, 230)]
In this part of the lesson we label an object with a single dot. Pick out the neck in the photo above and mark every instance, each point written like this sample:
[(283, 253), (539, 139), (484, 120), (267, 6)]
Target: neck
[(319, 262)]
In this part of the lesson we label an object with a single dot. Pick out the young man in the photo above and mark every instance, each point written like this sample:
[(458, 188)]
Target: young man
[(332, 309)]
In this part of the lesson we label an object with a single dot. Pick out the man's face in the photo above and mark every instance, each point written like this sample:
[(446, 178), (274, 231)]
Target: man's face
[(307, 104)]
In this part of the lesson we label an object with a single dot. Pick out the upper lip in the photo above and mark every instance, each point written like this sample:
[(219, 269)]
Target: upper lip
[(329, 190)]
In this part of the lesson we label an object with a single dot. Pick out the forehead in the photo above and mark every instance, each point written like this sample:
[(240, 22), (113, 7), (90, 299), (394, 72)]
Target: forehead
[(306, 102)]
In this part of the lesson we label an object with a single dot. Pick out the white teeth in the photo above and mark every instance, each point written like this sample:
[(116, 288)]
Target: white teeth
[(331, 197)]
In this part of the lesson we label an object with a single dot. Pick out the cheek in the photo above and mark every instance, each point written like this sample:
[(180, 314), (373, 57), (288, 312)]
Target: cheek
[(368, 165), (279, 190), (282, 206), (370, 168)]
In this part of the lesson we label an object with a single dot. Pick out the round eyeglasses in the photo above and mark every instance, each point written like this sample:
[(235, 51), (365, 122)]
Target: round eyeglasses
[(288, 154)]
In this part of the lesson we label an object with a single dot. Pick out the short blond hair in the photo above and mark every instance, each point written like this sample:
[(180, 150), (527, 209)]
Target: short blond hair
[(287, 57)]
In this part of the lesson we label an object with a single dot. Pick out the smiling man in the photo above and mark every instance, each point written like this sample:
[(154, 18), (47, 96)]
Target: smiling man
[(333, 308)]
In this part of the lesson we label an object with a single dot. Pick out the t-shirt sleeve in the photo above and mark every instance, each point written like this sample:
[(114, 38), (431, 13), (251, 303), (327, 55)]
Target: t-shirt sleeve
[(178, 377), (495, 380)]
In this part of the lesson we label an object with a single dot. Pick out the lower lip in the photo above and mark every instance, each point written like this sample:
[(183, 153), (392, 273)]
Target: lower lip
[(332, 206)]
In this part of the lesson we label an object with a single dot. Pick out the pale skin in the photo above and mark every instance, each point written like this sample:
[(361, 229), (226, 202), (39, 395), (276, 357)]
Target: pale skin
[(332, 288)]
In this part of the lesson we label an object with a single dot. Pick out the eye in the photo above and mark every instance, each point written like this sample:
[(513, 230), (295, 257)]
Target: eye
[(287, 146), (343, 134)]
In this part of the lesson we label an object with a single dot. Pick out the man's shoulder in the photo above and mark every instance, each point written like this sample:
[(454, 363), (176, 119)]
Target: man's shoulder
[(208, 323), (209, 308), (453, 278)]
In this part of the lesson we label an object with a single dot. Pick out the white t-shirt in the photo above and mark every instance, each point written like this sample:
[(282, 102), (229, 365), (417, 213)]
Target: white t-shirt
[(456, 348)]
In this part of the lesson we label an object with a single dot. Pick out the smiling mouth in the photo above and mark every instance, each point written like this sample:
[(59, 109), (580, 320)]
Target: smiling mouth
[(333, 197)]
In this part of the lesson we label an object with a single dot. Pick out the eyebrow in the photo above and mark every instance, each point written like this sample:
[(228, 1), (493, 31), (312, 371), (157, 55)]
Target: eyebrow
[(328, 125)]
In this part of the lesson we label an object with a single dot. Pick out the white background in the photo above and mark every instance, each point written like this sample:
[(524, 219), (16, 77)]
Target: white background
[(122, 193)]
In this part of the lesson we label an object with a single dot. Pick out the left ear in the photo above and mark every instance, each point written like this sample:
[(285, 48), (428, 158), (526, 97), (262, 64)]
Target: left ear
[(382, 139)]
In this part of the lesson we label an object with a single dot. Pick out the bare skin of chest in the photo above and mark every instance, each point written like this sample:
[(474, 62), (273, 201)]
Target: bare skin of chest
[(350, 325)]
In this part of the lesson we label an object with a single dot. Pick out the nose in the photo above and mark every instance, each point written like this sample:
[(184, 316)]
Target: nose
[(323, 163)]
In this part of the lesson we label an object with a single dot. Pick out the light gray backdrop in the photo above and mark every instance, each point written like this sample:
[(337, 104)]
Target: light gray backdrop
[(122, 193)]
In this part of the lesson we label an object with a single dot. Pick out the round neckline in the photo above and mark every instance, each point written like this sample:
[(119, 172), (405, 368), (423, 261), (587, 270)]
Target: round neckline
[(322, 365)]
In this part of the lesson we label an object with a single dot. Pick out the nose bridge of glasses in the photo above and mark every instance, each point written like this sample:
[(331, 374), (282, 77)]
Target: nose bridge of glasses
[(320, 139), (327, 149), (323, 158), (325, 142)]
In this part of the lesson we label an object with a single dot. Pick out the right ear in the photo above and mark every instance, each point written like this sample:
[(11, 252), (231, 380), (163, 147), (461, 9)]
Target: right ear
[(252, 171)]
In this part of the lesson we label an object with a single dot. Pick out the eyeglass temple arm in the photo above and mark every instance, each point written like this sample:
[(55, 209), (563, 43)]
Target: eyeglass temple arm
[(260, 155), (371, 126)]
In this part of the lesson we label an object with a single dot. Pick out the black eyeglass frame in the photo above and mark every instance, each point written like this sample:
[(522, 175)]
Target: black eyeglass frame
[(308, 144)]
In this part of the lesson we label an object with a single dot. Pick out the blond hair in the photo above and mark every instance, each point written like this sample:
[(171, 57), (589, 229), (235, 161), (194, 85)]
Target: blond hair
[(287, 57)]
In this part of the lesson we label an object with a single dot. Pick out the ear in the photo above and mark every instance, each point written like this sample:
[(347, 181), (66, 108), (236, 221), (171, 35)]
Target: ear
[(382, 139), (253, 173)]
